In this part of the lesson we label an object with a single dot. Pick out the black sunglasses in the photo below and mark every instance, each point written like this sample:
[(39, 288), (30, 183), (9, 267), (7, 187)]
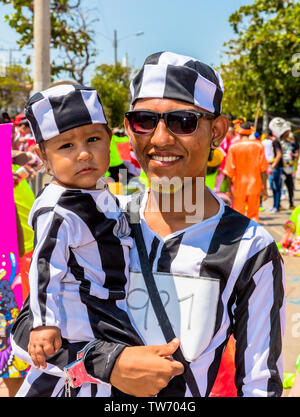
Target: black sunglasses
[(179, 122)]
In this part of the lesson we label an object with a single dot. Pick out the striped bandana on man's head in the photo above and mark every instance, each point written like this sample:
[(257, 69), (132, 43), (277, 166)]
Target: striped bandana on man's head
[(178, 77), (61, 108)]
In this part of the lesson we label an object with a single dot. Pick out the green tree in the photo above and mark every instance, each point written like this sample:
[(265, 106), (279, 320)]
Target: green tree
[(71, 34), (241, 95), (112, 83), (261, 58), (15, 87)]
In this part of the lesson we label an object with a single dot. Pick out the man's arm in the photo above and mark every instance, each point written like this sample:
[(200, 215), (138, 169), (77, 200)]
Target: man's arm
[(138, 371), (264, 177), (259, 320), (276, 160), (229, 186)]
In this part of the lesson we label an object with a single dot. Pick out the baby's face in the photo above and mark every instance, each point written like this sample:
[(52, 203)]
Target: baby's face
[(79, 157)]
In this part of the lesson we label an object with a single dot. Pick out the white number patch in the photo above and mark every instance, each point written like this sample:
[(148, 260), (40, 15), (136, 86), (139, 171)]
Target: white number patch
[(191, 305)]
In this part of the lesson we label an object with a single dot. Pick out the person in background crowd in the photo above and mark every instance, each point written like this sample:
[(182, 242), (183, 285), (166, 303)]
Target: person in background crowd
[(282, 164), (24, 199), (290, 242), (116, 162), (275, 168), (236, 123), (269, 152), (246, 169), (268, 145), (24, 142), (230, 138), (6, 118), (288, 162), (12, 369), (295, 153), (24, 139)]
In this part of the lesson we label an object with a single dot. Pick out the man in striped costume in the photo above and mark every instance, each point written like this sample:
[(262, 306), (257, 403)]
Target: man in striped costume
[(218, 272)]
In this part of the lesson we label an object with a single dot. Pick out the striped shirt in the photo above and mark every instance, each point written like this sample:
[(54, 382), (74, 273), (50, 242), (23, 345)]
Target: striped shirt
[(80, 263), (219, 277)]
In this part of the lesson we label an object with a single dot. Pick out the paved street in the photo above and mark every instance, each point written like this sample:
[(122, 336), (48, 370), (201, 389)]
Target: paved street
[(273, 223)]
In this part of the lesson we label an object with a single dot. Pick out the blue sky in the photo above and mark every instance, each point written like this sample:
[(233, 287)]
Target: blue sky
[(196, 28)]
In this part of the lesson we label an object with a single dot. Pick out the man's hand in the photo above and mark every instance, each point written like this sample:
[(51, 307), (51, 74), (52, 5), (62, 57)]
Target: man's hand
[(264, 195), (143, 371), (44, 341)]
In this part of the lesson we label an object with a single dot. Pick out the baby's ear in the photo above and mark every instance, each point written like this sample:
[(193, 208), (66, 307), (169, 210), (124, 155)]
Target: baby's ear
[(41, 153)]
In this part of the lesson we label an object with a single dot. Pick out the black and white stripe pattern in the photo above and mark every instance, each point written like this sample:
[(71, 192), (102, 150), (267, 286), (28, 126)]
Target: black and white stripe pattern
[(247, 266), (231, 281), (61, 108), (178, 77), (80, 265)]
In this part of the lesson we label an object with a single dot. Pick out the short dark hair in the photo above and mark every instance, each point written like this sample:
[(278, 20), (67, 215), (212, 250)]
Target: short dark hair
[(268, 131), (24, 122)]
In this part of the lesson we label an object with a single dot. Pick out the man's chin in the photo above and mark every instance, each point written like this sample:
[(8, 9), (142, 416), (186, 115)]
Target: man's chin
[(166, 185)]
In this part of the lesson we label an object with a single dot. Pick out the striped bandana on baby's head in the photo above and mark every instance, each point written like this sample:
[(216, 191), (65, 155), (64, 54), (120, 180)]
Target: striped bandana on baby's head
[(61, 108), (178, 77)]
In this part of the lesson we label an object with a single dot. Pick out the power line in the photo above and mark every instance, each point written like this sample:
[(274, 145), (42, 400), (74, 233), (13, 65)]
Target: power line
[(10, 53)]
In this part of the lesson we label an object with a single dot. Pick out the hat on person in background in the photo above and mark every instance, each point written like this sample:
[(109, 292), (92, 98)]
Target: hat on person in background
[(178, 77), (18, 118), (61, 108), (238, 121), (245, 129), (279, 126)]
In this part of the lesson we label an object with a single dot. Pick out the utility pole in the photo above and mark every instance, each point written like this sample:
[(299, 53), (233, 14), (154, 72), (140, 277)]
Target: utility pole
[(10, 54), (115, 41), (115, 44), (41, 36), (265, 115)]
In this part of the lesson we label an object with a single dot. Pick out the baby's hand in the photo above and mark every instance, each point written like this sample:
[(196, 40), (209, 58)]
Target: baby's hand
[(44, 341)]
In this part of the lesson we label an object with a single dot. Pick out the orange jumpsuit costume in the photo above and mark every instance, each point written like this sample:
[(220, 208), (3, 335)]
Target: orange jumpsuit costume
[(244, 164)]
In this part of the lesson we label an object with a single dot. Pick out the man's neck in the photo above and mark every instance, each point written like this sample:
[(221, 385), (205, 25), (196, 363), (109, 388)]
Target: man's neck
[(164, 215)]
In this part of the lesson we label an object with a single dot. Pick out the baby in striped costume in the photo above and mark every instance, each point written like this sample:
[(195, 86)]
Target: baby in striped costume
[(80, 263)]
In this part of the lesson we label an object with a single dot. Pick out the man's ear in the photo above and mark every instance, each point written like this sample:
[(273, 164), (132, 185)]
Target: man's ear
[(220, 128), (127, 130)]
